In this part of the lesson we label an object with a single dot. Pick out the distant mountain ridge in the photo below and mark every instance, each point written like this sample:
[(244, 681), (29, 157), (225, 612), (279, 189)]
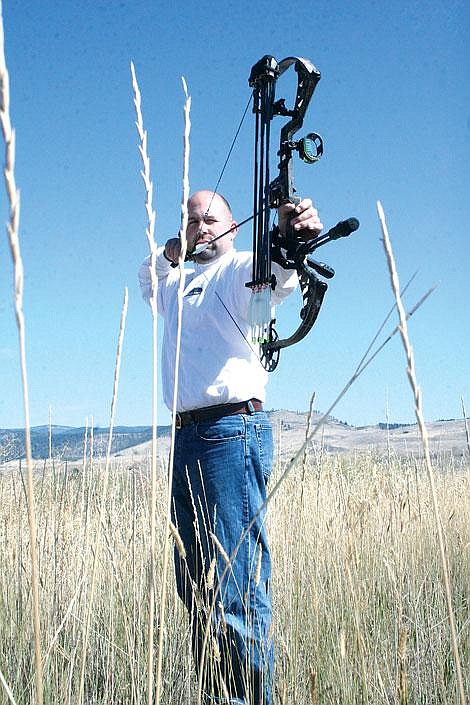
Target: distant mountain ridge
[(68, 441)]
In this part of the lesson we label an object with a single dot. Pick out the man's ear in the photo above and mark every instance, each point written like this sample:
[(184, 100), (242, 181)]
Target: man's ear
[(234, 230)]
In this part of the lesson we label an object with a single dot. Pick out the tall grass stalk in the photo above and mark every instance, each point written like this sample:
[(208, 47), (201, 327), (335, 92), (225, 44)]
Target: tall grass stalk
[(182, 256), (14, 242), (97, 544), (150, 233), (411, 372), (467, 433), (49, 435), (300, 523), (7, 689), (365, 361)]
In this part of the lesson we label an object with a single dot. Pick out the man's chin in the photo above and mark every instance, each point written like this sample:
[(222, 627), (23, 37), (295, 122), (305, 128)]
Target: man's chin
[(206, 255)]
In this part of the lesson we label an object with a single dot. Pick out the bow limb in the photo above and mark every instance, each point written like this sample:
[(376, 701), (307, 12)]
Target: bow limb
[(282, 188), (313, 290)]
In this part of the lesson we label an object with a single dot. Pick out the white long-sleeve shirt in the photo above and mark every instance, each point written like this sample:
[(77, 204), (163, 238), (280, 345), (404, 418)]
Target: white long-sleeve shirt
[(218, 363)]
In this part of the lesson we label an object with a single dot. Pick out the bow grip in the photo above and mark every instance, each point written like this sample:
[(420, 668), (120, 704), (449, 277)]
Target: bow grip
[(290, 235), (293, 199)]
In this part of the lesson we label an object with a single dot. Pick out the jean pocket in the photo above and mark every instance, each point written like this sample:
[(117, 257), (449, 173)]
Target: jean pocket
[(228, 428), (264, 435)]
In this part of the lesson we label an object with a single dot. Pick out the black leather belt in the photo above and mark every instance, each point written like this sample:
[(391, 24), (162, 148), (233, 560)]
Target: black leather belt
[(206, 413)]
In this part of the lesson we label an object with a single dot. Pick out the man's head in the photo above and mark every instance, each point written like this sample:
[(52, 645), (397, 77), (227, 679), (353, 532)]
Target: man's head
[(209, 215)]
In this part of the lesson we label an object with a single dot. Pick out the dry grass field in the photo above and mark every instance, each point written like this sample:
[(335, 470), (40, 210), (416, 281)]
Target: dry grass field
[(360, 611)]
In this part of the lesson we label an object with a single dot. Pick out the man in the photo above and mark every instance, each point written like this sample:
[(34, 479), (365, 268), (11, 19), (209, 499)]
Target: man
[(223, 448)]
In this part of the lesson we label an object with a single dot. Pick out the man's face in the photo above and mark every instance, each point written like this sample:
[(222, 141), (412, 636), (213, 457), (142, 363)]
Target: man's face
[(208, 216)]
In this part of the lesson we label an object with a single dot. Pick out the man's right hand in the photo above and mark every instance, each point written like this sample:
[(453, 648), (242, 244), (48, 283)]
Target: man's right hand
[(173, 249)]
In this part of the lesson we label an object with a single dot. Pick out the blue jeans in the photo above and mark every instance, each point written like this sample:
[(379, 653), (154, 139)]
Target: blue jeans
[(219, 483)]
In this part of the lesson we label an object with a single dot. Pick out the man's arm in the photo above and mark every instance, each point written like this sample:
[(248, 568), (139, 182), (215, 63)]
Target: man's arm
[(162, 270)]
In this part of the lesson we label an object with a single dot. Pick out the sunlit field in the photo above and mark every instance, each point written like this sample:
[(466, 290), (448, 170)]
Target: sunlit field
[(360, 611)]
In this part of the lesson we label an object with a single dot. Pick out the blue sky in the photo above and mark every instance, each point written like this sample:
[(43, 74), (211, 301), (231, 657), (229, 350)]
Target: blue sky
[(393, 109)]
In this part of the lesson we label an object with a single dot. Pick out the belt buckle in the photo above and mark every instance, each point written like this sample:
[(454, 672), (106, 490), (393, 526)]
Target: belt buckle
[(251, 407), (178, 421)]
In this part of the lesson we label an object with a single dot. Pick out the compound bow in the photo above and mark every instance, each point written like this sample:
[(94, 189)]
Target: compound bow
[(269, 244)]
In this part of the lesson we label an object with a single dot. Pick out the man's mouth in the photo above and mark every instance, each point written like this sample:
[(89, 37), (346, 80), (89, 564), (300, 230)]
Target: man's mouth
[(201, 245)]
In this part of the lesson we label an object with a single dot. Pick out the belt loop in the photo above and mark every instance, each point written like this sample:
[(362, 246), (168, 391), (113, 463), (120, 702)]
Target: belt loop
[(251, 408), (178, 421)]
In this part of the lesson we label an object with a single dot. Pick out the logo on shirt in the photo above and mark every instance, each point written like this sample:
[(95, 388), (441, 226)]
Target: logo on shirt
[(194, 292)]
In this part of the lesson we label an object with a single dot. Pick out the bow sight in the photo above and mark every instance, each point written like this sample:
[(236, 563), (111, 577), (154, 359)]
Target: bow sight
[(286, 249), (310, 148)]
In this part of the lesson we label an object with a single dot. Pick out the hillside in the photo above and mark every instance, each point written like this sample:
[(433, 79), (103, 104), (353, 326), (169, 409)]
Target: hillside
[(134, 442)]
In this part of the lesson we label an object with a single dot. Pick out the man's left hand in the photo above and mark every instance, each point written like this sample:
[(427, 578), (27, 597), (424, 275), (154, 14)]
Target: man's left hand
[(304, 219)]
